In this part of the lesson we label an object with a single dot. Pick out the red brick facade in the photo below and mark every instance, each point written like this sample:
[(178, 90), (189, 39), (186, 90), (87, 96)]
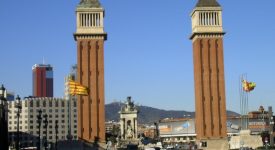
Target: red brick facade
[(90, 73), (209, 87)]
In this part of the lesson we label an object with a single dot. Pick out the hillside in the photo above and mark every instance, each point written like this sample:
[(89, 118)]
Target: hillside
[(149, 114)]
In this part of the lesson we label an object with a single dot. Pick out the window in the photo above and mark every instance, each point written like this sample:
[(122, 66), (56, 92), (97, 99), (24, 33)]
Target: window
[(63, 116), (50, 116), (50, 104), (31, 127), (50, 126), (37, 104), (50, 110), (56, 116), (31, 116), (74, 103), (31, 103), (56, 110), (44, 103), (31, 121), (31, 110), (62, 110), (63, 121), (56, 103), (63, 104)]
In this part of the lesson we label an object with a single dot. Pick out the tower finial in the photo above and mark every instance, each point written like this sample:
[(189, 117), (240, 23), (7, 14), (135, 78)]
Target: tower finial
[(207, 3), (89, 3)]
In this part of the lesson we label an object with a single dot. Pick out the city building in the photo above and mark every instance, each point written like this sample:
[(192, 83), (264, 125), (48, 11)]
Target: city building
[(90, 37), (42, 75), (56, 110), (207, 39), (181, 131)]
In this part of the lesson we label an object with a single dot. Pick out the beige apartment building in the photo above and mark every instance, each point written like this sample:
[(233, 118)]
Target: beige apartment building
[(57, 110)]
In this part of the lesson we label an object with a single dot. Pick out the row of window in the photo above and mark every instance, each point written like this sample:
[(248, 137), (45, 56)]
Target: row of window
[(44, 103), (29, 138)]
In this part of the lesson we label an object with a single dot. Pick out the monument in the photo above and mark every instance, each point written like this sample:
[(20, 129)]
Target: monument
[(90, 37), (207, 39), (128, 122)]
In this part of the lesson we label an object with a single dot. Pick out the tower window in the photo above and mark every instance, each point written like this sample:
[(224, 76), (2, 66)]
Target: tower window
[(89, 19)]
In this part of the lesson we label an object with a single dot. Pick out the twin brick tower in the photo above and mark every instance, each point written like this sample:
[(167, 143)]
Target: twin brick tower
[(207, 38)]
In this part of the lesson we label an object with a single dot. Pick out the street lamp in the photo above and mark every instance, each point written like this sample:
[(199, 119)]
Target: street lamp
[(46, 127), (39, 119), (3, 119), (18, 105), (56, 133)]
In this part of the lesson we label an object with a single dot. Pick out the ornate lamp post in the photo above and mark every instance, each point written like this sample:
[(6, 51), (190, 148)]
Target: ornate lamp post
[(46, 127), (56, 133), (39, 119), (18, 105), (3, 119)]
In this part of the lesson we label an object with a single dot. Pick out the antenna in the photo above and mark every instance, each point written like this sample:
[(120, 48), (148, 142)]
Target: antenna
[(43, 61)]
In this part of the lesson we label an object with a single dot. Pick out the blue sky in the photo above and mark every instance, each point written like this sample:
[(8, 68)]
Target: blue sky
[(148, 54)]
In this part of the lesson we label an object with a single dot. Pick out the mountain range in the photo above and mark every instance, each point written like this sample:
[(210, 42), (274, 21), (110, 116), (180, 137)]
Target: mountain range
[(149, 115)]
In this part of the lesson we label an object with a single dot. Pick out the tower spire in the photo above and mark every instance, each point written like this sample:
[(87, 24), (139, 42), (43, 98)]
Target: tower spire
[(207, 3)]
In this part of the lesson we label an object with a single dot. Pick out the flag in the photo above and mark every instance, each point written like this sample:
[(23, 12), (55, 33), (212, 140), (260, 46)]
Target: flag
[(76, 88), (248, 86)]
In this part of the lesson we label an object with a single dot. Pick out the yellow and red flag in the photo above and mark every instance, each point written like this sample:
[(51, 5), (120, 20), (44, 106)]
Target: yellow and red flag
[(77, 89), (248, 86)]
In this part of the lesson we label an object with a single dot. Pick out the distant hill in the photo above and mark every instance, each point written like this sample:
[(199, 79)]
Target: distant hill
[(149, 114)]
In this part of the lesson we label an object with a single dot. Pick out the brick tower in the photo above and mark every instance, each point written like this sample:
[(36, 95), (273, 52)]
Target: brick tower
[(207, 38), (90, 37)]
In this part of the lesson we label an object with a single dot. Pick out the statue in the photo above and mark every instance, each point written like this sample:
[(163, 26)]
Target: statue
[(129, 133)]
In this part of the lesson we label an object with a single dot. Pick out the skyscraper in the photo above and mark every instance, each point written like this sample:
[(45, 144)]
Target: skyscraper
[(90, 37), (42, 80), (207, 38)]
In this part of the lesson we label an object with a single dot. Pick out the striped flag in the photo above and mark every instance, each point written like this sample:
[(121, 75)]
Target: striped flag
[(77, 89)]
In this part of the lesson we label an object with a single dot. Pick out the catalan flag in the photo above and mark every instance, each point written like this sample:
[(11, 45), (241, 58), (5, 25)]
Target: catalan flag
[(248, 86), (77, 89)]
